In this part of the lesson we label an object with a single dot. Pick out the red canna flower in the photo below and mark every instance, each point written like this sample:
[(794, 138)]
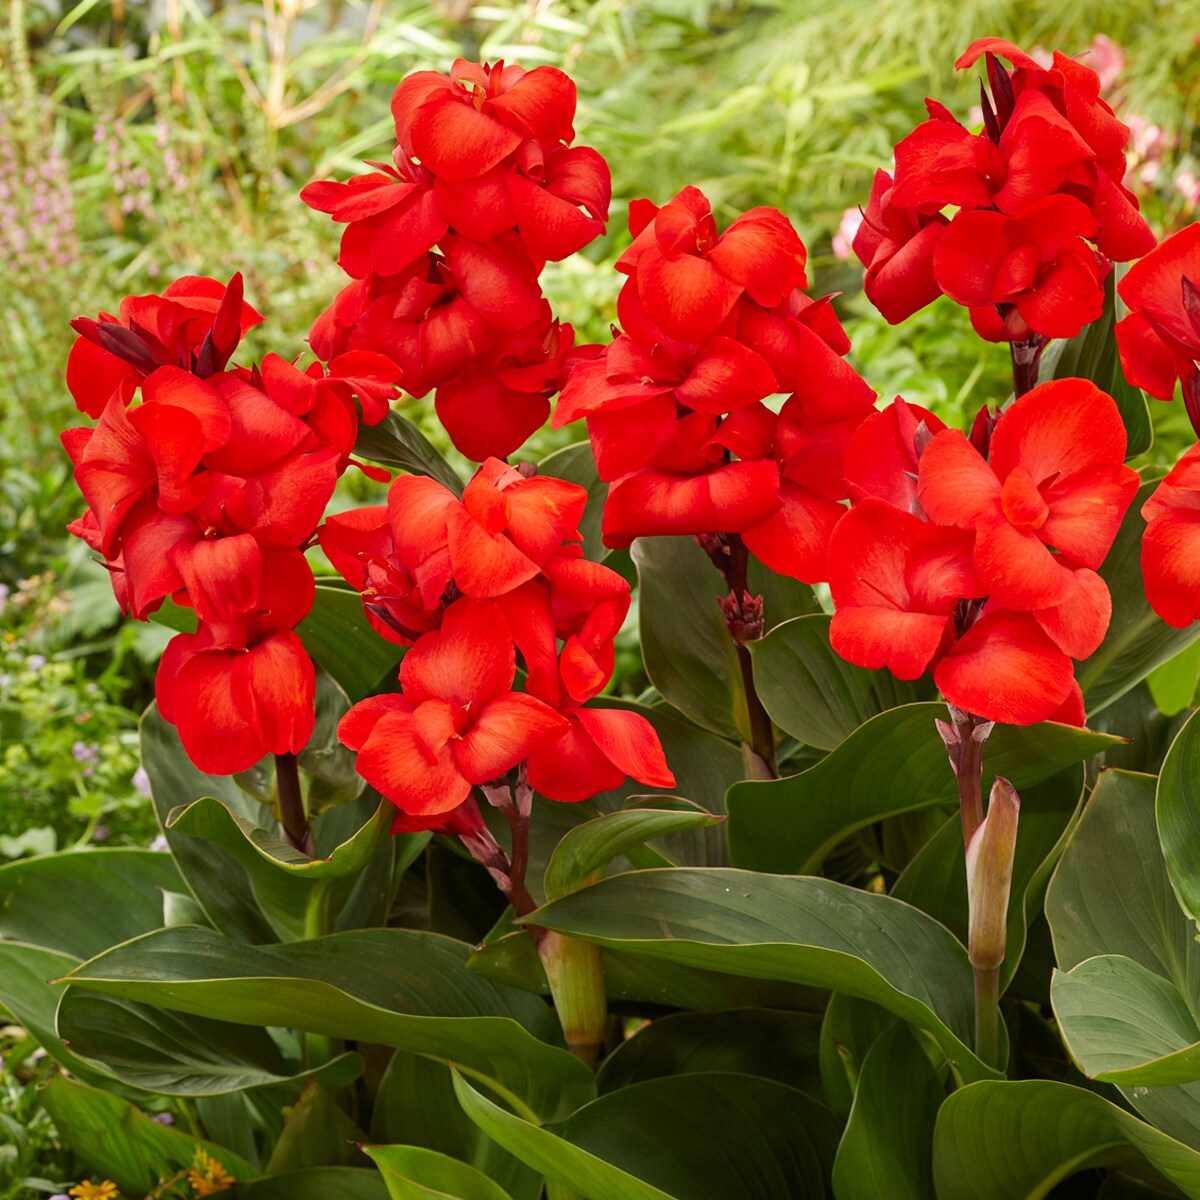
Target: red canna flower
[(690, 276), (1049, 499), (196, 324), (1159, 340), (458, 723), (1171, 543), (241, 688)]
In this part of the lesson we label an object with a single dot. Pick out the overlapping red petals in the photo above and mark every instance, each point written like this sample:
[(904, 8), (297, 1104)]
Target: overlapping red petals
[(446, 244), (984, 568), (1041, 207)]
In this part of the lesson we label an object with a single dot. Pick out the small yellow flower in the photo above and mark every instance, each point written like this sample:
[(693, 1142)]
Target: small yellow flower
[(95, 1191), (208, 1177)]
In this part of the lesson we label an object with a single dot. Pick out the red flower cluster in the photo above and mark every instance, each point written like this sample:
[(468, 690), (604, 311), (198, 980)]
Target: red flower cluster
[(1171, 543), (981, 563), (446, 246), (470, 584), (207, 491), (1041, 182), (714, 324), (1159, 340)]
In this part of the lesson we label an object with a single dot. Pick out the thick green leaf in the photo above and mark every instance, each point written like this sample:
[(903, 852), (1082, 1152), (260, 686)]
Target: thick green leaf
[(689, 655), (292, 889), (692, 1137), (936, 880), (212, 875), (317, 1134), (414, 1173), (30, 999), (799, 930), (704, 767), (161, 1051), (397, 987), (631, 979), (339, 639), (812, 692), (83, 901), (317, 1183), (1138, 640), (894, 763), (743, 1041), (1124, 1024), (1173, 684), (1111, 896), (1178, 818), (589, 848), (848, 1031), (415, 1104), (1110, 893), (1002, 1140), (397, 442), (884, 1153), (121, 1143)]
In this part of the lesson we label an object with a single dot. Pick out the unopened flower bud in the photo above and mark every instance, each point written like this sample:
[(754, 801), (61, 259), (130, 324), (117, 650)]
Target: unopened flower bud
[(989, 876)]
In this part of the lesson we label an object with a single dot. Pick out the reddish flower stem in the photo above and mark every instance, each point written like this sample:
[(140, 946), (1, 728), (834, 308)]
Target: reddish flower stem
[(292, 816), (1026, 356), (743, 619), (970, 775)]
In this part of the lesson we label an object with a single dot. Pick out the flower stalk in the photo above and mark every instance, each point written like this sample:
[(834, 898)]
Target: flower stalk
[(292, 816)]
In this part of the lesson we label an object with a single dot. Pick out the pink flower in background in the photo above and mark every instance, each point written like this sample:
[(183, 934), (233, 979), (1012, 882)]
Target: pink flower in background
[(1107, 59), (852, 218)]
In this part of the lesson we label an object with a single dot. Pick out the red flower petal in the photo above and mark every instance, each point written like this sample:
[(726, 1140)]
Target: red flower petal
[(506, 730), (467, 662), (395, 761), (1171, 566), (630, 742), (956, 486), (1005, 668)]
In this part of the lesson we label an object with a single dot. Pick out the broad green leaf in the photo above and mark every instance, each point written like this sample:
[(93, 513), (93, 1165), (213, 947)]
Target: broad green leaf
[(1173, 684), (1111, 896), (83, 901), (292, 889), (1178, 820), (397, 442), (512, 960), (338, 637), (317, 1134), (167, 1052), (690, 658), (414, 1173), (884, 1153), (894, 763), (798, 930), (1138, 640), (397, 987), (415, 1104), (689, 655), (743, 1041), (998, 1140), (709, 1136), (212, 875), (936, 880), (577, 465), (29, 997), (849, 1029), (317, 1183), (121, 1143), (813, 693), (589, 848), (1110, 893), (1124, 1024)]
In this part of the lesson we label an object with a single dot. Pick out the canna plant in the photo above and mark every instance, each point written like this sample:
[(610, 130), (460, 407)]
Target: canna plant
[(440, 912)]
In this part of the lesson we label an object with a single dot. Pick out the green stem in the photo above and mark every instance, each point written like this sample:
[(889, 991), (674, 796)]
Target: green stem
[(987, 1015)]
